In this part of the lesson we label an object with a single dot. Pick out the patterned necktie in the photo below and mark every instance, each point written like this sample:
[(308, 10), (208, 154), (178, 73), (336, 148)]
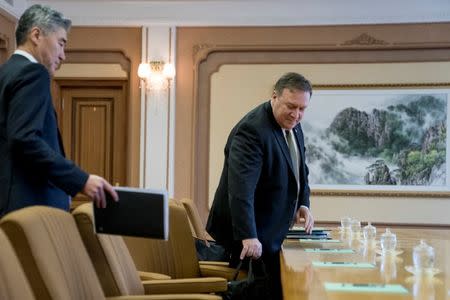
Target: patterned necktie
[(294, 157)]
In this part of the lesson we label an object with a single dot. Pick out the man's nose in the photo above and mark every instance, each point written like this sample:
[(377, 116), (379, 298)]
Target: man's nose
[(62, 57)]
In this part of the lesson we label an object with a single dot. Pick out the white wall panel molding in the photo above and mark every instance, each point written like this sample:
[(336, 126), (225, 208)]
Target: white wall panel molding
[(157, 114), (250, 12)]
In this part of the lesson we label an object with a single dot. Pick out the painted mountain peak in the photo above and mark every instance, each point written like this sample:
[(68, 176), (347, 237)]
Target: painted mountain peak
[(398, 144)]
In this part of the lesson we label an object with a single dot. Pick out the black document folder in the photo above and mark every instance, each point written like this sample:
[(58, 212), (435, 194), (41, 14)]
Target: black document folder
[(139, 212), (307, 236), (301, 234)]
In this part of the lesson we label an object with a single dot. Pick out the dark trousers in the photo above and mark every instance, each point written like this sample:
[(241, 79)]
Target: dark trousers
[(271, 262)]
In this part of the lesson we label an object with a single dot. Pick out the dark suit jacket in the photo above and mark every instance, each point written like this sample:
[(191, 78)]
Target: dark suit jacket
[(257, 192), (33, 170)]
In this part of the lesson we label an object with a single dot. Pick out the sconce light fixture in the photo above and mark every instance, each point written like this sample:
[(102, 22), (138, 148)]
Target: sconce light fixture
[(155, 75)]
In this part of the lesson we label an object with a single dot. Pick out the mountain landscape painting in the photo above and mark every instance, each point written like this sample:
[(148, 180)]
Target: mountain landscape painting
[(377, 137)]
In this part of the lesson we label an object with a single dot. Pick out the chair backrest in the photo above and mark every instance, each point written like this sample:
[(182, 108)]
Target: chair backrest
[(194, 218), (13, 282), (175, 257), (53, 256), (109, 254)]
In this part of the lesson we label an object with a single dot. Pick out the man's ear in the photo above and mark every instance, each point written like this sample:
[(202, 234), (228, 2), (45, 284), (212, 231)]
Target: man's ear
[(35, 34), (274, 95)]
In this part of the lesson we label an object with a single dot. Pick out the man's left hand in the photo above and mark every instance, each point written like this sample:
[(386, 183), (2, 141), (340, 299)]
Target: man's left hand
[(95, 189), (304, 213)]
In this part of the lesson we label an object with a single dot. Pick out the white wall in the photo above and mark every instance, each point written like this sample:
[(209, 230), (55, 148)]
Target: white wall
[(396, 210)]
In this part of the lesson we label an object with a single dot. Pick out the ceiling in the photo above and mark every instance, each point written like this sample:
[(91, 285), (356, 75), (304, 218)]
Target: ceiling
[(243, 12)]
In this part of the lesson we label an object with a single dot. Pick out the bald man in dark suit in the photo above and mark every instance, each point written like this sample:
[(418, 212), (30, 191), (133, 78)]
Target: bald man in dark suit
[(33, 168), (264, 188)]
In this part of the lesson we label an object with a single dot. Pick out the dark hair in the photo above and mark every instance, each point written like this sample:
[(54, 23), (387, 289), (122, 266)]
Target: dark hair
[(293, 81), (44, 17)]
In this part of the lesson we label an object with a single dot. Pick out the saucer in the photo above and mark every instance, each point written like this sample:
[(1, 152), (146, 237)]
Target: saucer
[(369, 244), (428, 280), (392, 258), (428, 271), (393, 253)]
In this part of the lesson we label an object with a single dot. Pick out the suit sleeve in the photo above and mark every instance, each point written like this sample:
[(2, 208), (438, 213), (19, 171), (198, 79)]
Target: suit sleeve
[(245, 163), (304, 196), (28, 109), (305, 199)]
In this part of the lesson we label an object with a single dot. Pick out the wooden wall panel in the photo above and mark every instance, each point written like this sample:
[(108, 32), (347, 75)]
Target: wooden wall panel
[(111, 44), (7, 38)]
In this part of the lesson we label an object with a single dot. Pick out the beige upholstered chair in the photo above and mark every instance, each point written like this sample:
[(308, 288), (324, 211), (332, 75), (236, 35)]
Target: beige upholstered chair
[(13, 283), (176, 257), (197, 226), (53, 256), (198, 229), (119, 275)]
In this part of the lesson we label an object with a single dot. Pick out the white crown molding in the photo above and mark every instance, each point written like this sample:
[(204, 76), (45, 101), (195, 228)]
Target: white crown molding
[(250, 12), (12, 12)]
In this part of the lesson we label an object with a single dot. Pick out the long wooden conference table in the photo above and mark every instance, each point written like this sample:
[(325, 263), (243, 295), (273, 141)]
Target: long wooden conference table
[(307, 273)]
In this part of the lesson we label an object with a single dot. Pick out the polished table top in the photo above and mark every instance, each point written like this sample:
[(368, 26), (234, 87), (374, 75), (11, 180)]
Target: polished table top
[(302, 280)]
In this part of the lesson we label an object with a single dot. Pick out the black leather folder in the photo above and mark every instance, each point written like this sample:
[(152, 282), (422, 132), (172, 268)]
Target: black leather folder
[(139, 212), (301, 234)]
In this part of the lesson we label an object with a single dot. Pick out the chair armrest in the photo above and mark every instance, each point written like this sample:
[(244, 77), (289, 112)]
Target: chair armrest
[(151, 276), (168, 297), (208, 270), (185, 285)]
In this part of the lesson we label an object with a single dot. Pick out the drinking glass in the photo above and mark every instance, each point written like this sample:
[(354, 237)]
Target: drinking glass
[(388, 241), (423, 256), (369, 234), (345, 223), (355, 228)]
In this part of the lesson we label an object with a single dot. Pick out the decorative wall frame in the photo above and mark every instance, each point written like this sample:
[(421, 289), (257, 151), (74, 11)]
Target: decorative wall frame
[(379, 140)]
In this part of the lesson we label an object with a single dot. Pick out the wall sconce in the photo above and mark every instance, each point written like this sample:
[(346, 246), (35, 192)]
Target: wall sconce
[(156, 74)]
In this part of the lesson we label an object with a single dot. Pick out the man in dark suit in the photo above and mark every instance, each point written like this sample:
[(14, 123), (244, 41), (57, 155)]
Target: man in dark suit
[(33, 169), (264, 188)]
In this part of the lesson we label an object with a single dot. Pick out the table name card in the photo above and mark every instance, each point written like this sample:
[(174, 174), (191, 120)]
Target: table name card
[(365, 287), (328, 250), (300, 228), (318, 241), (341, 264)]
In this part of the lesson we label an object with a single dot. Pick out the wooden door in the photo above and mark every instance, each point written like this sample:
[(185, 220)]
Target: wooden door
[(92, 120)]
